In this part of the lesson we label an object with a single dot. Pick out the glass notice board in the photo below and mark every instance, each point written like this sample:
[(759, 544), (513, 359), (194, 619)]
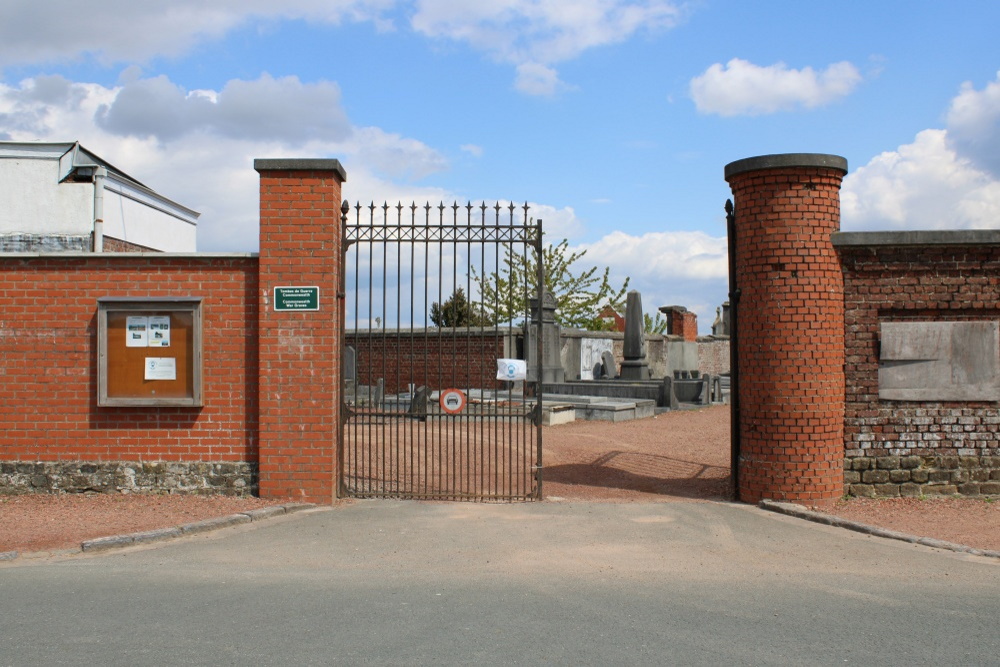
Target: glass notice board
[(149, 352)]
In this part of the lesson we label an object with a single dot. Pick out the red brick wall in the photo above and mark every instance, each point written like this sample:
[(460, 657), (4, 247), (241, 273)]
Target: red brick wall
[(790, 337), (681, 322), (300, 352), (48, 372), (688, 326), (438, 360), (913, 448)]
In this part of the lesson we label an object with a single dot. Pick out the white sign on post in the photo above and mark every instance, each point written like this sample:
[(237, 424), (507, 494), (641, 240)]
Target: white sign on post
[(512, 370)]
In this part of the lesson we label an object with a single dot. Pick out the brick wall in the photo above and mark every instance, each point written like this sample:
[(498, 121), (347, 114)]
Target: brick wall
[(48, 371), (111, 244), (270, 412), (790, 335), (713, 355), (681, 322), (903, 447), (438, 359)]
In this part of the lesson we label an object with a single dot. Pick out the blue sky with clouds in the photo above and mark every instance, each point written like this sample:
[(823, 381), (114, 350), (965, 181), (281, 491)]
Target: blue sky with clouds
[(612, 118)]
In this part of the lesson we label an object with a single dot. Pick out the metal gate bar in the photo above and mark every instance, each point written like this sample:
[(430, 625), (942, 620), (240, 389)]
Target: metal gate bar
[(398, 438)]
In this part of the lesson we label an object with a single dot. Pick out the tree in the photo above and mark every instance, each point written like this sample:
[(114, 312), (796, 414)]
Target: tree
[(654, 326), (457, 311), (580, 294)]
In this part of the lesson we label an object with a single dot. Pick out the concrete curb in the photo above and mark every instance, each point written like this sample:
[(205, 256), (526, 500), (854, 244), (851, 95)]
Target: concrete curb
[(120, 541), (162, 534), (800, 512)]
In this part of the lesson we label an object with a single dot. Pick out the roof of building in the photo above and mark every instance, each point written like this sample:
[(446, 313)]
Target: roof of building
[(76, 162)]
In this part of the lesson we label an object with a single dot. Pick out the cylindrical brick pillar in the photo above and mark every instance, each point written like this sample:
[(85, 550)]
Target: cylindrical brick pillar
[(790, 327)]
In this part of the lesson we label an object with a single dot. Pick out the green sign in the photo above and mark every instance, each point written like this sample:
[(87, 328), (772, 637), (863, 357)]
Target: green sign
[(296, 298)]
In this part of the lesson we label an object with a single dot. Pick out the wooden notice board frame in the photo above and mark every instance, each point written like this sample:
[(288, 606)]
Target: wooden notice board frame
[(149, 352)]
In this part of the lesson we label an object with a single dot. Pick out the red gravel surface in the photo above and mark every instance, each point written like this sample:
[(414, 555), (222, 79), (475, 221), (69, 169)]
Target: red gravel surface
[(677, 456), (33, 523)]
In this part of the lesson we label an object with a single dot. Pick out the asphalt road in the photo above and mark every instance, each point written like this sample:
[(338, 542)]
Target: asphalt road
[(382, 582)]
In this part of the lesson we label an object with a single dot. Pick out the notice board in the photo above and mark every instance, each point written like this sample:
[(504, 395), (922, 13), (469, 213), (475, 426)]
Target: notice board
[(149, 353)]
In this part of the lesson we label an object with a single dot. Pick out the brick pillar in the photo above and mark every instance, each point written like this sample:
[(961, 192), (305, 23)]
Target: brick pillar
[(790, 332), (299, 398), (680, 322)]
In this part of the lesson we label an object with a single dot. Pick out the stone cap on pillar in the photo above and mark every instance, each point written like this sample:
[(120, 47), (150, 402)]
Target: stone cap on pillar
[(785, 161), (300, 164)]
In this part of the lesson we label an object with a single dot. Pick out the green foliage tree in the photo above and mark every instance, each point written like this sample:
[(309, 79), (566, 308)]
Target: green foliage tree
[(458, 311), (654, 326), (580, 294)]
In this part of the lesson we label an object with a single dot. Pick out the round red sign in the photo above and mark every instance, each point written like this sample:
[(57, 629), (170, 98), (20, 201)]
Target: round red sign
[(452, 401)]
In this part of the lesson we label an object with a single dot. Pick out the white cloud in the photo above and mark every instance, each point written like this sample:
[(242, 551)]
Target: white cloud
[(282, 109), (558, 223), (923, 185), (472, 149), (536, 34), (945, 179), (536, 79), (125, 30), (666, 256), (743, 88), (208, 165), (974, 125), (667, 268), (532, 35)]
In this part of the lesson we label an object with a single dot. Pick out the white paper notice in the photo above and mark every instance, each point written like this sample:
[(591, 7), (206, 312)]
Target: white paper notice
[(159, 331), (136, 331), (161, 368)]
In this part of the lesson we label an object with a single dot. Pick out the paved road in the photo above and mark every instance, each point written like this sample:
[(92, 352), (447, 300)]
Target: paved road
[(381, 582)]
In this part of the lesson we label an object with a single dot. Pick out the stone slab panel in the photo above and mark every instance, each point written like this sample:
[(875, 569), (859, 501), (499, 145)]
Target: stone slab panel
[(940, 361)]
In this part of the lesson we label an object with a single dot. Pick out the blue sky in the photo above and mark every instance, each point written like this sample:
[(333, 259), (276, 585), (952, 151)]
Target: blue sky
[(613, 119)]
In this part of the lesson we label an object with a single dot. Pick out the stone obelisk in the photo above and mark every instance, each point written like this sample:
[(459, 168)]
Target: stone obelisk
[(634, 366)]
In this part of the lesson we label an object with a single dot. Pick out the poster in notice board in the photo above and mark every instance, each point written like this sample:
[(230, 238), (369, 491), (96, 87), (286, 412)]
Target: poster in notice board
[(134, 370)]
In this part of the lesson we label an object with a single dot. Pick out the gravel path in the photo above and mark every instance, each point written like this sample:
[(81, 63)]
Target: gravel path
[(677, 456)]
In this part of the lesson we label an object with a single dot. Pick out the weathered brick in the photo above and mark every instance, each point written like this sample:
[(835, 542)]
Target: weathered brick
[(887, 490), (899, 476), (875, 476), (862, 490)]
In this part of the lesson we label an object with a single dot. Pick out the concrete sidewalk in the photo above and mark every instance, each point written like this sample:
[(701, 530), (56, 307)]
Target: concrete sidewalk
[(389, 582)]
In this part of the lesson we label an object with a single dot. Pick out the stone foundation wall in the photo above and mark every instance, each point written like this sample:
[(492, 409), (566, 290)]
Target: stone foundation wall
[(226, 478), (870, 477)]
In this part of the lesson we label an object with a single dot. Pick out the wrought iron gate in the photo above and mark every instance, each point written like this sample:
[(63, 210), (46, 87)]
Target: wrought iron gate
[(424, 415)]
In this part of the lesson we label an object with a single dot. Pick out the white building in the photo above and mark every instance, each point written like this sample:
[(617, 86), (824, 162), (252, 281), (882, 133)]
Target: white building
[(59, 197)]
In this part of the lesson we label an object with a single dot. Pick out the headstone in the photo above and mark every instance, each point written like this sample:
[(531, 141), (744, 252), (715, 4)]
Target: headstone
[(609, 369), (705, 396), (591, 350), (543, 322), (669, 398), (418, 404), (350, 363)]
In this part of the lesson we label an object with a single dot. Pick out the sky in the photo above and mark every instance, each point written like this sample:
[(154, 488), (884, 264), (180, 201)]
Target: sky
[(612, 119)]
